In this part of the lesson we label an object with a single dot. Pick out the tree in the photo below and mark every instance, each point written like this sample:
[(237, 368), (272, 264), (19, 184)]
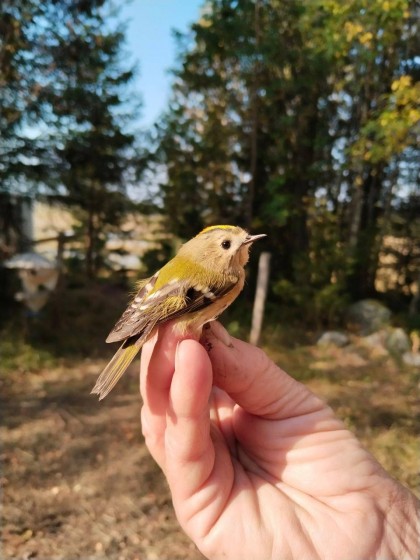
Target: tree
[(21, 59), (374, 45), (244, 126), (97, 149), (295, 117), (66, 114)]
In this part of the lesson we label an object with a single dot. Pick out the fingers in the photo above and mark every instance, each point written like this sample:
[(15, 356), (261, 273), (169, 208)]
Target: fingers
[(189, 449), (156, 371), (176, 384), (198, 463), (157, 364), (252, 380)]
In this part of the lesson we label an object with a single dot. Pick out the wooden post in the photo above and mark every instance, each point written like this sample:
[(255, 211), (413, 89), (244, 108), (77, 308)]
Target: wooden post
[(260, 296)]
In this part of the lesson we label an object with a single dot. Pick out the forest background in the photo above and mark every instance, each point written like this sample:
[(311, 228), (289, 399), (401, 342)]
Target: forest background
[(297, 119)]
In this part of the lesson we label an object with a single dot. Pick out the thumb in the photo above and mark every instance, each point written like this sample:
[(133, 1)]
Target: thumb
[(253, 380)]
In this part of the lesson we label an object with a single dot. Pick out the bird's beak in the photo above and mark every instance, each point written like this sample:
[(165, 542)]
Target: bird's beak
[(251, 238)]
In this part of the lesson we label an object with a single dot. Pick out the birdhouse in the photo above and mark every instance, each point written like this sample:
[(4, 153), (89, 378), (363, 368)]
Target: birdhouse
[(38, 276)]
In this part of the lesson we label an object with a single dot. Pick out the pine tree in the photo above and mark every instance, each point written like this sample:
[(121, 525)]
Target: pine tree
[(66, 113)]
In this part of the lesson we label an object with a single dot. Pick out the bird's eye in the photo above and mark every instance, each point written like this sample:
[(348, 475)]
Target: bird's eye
[(226, 244)]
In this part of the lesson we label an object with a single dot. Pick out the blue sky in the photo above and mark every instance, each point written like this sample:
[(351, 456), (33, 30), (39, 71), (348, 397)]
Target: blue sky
[(150, 42)]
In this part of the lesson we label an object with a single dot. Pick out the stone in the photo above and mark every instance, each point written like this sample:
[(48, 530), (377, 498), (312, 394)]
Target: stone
[(397, 341), (334, 338), (367, 316), (411, 359), (350, 358), (375, 344)]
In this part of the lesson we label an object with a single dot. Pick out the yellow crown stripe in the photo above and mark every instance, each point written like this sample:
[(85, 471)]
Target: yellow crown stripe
[(210, 228)]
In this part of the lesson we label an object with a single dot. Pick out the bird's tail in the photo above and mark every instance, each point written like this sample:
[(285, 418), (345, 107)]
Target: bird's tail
[(115, 369)]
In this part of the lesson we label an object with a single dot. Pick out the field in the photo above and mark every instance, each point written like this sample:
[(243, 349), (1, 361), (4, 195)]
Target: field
[(79, 483)]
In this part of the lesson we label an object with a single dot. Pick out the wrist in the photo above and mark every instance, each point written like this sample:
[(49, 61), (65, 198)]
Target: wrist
[(401, 513)]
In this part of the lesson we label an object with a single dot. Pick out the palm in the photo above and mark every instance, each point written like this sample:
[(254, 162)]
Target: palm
[(265, 466), (258, 466)]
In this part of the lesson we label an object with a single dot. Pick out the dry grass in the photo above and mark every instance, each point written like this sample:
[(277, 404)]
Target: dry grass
[(375, 396), (79, 482)]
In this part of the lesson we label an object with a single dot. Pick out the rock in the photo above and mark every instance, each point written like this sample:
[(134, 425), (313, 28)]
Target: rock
[(375, 344), (397, 341), (350, 358), (367, 316), (373, 340), (411, 359), (333, 337)]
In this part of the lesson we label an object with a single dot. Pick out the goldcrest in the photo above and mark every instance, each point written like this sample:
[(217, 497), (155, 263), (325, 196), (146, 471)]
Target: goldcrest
[(193, 288)]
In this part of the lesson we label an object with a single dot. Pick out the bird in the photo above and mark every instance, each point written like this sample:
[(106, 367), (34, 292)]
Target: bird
[(193, 288)]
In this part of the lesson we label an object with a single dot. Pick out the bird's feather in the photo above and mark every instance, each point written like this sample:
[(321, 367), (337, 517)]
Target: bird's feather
[(114, 370), (166, 307), (167, 295), (151, 306), (194, 287)]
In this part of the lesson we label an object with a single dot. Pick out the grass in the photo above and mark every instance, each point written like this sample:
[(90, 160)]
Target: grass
[(369, 390), (71, 462), (19, 357)]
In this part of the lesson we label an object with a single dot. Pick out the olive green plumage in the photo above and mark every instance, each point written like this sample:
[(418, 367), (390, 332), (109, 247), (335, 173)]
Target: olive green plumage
[(193, 288)]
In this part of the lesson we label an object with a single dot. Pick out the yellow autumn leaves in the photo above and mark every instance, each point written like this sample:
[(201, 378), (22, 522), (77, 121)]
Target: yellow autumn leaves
[(395, 127)]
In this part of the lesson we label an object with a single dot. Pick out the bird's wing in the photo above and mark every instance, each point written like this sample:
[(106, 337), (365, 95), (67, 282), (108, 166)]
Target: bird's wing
[(147, 310), (114, 370), (150, 308), (130, 318)]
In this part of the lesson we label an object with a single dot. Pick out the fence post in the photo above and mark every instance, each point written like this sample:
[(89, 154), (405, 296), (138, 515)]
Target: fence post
[(260, 297)]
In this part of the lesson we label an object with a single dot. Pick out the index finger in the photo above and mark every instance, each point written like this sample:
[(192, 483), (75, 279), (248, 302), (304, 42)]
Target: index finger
[(156, 372)]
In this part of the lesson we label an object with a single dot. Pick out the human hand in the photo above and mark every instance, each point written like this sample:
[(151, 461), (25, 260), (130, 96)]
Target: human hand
[(258, 466)]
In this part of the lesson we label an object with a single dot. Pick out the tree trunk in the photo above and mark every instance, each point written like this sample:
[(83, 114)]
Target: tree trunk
[(355, 218), (364, 239), (90, 245), (260, 297)]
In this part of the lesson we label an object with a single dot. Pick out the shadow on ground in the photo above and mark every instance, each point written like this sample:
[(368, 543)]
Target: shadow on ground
[(78, 480)]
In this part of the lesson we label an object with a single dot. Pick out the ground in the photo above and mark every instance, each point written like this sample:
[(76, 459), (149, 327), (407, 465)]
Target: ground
[(80, 484)]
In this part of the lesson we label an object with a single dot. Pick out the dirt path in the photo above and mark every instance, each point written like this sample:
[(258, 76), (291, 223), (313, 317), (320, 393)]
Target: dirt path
[(78, 480), (80, 484)]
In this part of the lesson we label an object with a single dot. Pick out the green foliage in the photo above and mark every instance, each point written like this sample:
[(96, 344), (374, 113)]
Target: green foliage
[(154, 259), (297, 119), (322, 306), (18, 356), (66, 111), (74, 323), (392, 128)]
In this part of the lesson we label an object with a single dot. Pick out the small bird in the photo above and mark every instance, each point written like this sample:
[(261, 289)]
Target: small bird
[(195, 287)]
